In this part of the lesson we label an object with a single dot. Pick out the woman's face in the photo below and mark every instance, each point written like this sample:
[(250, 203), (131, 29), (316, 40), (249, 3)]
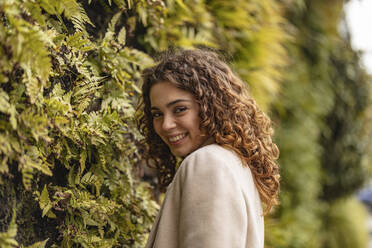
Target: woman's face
[(176, 119)]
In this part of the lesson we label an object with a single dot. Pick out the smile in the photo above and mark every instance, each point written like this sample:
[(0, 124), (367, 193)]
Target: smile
[(177, 138)]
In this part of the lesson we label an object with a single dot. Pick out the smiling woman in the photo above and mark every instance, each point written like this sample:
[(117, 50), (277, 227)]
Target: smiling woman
[(176, 118), (195, 108)]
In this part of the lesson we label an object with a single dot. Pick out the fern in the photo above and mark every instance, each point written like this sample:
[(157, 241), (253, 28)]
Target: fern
[(30, 162), (8, 108), (79, 42), (46, 204), (7, 239), (33, 87), (40, 244)]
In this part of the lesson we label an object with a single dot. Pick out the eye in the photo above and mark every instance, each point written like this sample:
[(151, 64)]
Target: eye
[(156, 114), (180, 109)]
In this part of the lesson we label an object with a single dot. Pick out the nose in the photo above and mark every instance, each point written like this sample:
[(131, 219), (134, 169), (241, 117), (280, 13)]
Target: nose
[(168, 122)]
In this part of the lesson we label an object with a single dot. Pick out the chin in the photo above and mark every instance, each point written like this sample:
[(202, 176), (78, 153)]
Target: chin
[(181, 153)]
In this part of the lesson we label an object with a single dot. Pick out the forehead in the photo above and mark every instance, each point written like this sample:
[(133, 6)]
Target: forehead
[(163, 93)]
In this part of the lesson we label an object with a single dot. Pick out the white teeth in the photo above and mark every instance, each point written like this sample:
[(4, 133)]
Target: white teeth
[(177, 138)]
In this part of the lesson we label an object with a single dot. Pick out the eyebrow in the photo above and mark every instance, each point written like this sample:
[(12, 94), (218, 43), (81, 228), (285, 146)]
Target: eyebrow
[(172, 103)]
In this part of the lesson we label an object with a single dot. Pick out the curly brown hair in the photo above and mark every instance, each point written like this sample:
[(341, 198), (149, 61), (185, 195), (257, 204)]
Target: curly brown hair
[(227, 113)]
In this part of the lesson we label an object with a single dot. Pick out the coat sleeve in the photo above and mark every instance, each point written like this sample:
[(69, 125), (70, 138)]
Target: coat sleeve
[(213, 213)]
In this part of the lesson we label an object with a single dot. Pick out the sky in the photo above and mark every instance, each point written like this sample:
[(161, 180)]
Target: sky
[(359, 19)]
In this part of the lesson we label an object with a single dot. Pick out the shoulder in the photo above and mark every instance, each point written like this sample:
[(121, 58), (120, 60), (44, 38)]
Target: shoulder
[(211, 160), (214, 153)]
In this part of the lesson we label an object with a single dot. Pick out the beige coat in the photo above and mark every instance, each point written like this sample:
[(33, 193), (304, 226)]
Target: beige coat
[(212, 202)]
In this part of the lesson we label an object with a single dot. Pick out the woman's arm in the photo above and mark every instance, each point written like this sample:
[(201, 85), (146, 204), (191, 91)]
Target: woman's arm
[(213, 212)]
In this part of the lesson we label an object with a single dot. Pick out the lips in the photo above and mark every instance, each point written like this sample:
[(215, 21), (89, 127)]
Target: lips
[(176, 139)]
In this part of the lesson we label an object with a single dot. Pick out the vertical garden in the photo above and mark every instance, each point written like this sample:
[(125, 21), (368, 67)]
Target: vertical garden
[(70, 154)]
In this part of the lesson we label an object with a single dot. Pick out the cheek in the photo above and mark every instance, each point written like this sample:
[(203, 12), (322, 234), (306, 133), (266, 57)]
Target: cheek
[(156, 126), (196, 124), (202, 133)]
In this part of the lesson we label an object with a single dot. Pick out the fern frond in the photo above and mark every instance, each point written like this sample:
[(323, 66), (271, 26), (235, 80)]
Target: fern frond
[(29, 44), (30, 162), (33, 87), (7, 239), (40, 244), (102, 158), (110, 32), (34, 10), (83, 158), (4, 101), (8, 108), (78, 41), (38, 164), (89, 179), (4, 169), (83, 94), (123, 4), (37, 123), (27, 176), (76, 13), (9, 148), (79, 25), (114, 21), (122, 36), (5, 145)]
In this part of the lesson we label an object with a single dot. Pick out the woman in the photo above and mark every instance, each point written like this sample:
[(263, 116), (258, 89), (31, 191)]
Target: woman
[(196, 109)]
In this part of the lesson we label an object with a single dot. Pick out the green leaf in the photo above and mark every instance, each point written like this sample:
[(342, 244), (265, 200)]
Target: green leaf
[(40, 244), (45, 4), (83, 158), (4, 102), (183, 6), (114, 21), (142, 14), (13, 120), (46, 209), (122, 36), (33, 86), (44, 198)]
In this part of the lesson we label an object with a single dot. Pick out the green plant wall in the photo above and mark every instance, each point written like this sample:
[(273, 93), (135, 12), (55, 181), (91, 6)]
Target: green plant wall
[(68, 138)]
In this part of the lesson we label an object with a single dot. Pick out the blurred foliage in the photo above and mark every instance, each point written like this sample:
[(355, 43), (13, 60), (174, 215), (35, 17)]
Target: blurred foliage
[(344, 138), (69, 82), (345, 224), (251, 31), (322, 123), (248, 33)]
